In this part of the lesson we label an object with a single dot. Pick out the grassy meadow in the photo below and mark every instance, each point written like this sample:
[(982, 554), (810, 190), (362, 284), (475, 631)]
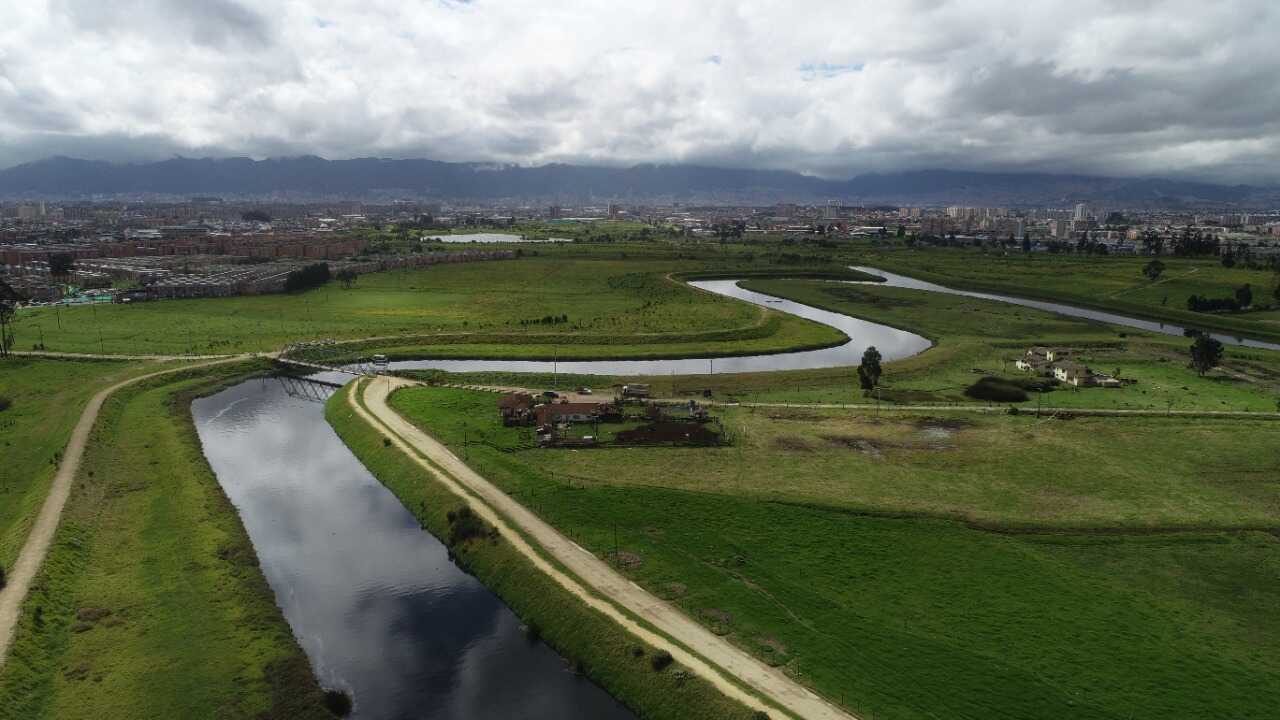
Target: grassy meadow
[(915, 567), (593, 643), (976, 336), (1113, 283), (151, 603), (47, 397), (617, 305)]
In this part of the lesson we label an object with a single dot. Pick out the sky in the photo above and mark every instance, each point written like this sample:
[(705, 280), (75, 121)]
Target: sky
[(1129, 88)]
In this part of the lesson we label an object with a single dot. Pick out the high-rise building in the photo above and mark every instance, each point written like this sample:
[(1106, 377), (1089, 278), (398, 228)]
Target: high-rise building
[(1081, 213)]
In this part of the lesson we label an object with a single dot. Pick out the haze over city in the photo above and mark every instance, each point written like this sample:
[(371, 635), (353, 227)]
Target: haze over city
[(1160, 88)]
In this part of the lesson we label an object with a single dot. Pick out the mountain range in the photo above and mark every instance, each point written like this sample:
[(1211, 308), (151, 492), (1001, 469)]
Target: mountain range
[(309, 177)]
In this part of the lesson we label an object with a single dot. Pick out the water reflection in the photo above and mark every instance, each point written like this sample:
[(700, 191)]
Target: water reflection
[(902, 281), (373, 599)]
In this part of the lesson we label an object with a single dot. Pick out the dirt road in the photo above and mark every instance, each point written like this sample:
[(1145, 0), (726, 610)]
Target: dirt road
[(41, 536), (592, 579)]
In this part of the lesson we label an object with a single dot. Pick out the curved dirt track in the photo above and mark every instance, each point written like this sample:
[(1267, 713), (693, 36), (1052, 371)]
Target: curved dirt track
[(592, 579), (46, 525)]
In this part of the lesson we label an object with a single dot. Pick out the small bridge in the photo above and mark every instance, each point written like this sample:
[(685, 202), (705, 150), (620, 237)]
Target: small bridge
[(327, 356), (308, 388)]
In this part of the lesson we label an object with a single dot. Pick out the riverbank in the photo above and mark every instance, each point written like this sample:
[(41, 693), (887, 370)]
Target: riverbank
[(1107, 284), (585, 299), (598, 647), (151, 601), (908, 565), (977, 337)]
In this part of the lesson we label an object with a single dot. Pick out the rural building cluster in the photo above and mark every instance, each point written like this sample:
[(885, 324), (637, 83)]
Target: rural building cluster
[(626, 418), (1061, 365)]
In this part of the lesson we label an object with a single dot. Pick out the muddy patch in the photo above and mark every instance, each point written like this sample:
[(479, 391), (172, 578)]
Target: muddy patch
[(718, 620), (624, 559), (673, 590), (791, 443), (867, 446)]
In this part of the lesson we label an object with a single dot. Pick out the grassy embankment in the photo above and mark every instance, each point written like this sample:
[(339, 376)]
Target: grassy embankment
[(47, 397), (586, 305), (974, 337), (1095, 574), (588, 639), (1113, 283), (151, 603)]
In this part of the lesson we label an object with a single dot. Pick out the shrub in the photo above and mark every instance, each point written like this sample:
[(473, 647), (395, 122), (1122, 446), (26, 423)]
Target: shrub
[(661, 660), (2, 580), (996, 390), (338, 702), (465, 525), (386, 442), (5, 403), (759, 715)]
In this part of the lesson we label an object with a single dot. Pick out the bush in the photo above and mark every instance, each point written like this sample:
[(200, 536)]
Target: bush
[(661, 660), (5, 403), (308, 277), (2, 580), (996, 390), (465, 525), (338, 702)]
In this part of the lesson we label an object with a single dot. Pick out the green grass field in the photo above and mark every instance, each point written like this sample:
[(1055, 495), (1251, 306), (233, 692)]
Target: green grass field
[(47, 398), (975, 336), (1110, 283), (611, 305), (151, 603), (587, 639), (1090, 576)]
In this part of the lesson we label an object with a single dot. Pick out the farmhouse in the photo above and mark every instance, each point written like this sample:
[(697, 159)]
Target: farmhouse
[(556, 413), (1073, 373), (515, 408)]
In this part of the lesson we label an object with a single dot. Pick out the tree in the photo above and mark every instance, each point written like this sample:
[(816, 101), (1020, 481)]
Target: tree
[(1244, 295), (1206, 353), (1026, 243), (347, 277), (869, 370), (61, 264), (255, 216), (7, 311), (1228, 259), (1153, 270)]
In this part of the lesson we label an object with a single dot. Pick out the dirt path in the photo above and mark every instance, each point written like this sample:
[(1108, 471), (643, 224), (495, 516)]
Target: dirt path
[(592, 579), (41, 535)]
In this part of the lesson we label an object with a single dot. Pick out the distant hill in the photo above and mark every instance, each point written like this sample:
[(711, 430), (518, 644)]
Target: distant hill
[(372, 178)]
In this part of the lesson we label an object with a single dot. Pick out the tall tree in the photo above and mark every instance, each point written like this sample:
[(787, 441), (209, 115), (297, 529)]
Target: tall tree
[(61, 265), (1206, 353), (1153, 270), (1244, 295), (7, 310), (869, 370)]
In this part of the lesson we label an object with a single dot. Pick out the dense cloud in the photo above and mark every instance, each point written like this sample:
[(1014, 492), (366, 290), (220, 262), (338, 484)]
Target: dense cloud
[(1155, 87)]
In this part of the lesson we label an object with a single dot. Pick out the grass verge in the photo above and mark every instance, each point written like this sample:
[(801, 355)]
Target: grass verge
[(911, 617), (591, 641), (151, 602)]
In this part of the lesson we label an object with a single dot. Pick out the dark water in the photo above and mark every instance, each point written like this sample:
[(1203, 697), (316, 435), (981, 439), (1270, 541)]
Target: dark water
[(373, 599), (892, 343), (902, 281)]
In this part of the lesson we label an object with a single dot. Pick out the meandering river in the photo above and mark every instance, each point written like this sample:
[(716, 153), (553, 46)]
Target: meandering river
[(374, 600)]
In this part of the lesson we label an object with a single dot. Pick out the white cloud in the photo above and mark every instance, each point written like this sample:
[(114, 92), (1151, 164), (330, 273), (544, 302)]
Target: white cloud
[(1157, 87)]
